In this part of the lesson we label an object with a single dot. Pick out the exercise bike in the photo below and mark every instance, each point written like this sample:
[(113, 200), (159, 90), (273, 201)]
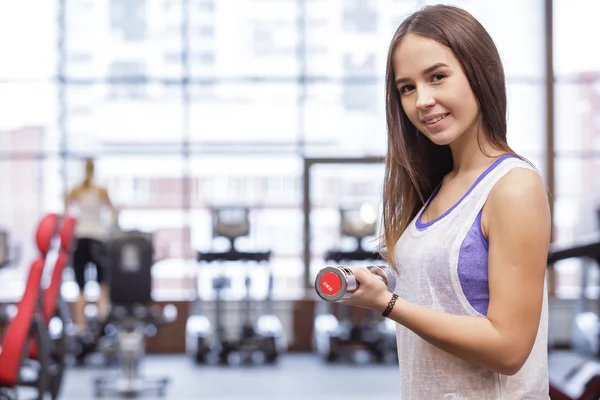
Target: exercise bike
[(575, 374), (260, 341), (133, 316)]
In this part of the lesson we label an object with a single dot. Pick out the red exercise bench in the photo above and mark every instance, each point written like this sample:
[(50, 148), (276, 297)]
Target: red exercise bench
[(28, 329)]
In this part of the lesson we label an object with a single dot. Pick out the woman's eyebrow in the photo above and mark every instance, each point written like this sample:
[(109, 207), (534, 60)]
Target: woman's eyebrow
[(425, 72)]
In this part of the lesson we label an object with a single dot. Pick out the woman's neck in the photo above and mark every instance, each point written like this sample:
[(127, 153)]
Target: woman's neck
[(469, 154)]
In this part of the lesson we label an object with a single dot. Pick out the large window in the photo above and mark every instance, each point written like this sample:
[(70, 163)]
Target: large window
[(232, 39), (124, 117), (29, 33), (29, 138), (577, 137), (190, 105), (245, 114), (27, 190), (29, 122), (122, 40)]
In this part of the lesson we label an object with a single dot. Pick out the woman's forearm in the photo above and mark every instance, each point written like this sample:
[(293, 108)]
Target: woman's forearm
[(473, 339)]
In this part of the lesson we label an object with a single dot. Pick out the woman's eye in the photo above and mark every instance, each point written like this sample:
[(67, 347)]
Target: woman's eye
[(406, 88), (438, 77)]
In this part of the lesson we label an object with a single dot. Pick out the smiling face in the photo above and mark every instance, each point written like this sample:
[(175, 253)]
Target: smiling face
[(434, 91)]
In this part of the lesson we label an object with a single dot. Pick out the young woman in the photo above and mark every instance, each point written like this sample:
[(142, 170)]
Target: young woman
[(466, 221), (90, 200)]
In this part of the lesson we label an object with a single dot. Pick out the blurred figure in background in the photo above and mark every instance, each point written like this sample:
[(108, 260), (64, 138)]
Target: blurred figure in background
[(89, 201)]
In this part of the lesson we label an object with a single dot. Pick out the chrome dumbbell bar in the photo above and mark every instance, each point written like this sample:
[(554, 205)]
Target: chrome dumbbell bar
[(337, 283)]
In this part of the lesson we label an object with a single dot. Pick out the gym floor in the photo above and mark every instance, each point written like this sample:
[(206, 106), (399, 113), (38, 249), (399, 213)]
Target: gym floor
[(295, 377)]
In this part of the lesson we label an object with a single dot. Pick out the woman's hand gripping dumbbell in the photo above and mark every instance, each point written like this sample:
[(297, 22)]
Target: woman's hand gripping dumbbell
[(368, 287)]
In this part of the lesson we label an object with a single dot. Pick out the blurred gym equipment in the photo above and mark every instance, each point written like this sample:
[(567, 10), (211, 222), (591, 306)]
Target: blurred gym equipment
[(28, 356), (357, 223), (55, 311), (133, 316), (95, 340), (26, 327), (575, 374), (8, 256), (3, 248), (260, 341), (346, 338)]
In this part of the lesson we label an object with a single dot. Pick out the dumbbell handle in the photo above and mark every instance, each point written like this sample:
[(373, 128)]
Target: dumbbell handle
[(338, 283)]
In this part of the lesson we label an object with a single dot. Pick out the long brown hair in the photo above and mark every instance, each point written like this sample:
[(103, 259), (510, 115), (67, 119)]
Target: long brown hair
[(414, 165), (89, 173)]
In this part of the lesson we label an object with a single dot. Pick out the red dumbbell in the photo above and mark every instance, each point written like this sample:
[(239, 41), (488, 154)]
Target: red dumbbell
[(337, 283)]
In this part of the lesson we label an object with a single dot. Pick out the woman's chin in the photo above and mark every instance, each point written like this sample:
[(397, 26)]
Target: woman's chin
[(443, 138)]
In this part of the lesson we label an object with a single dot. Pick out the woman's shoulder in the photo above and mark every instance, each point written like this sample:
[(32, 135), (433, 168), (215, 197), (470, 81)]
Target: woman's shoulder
[(519, 187), (102, 190), (78, 190), (95, 187)]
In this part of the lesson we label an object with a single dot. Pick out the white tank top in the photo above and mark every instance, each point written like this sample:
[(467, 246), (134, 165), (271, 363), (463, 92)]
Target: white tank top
[(442, 265), (89, 218)]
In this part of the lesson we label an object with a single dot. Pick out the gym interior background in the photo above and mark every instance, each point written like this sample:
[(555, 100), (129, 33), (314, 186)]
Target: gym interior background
[(272, 105)]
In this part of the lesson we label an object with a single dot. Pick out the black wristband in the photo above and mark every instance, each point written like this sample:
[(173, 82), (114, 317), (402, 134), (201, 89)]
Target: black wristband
[(390, 305)]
